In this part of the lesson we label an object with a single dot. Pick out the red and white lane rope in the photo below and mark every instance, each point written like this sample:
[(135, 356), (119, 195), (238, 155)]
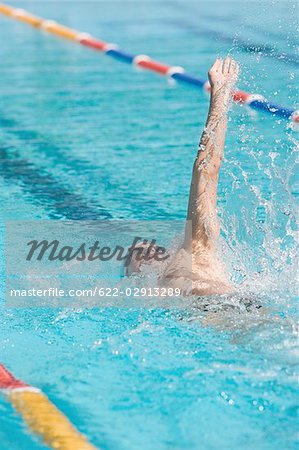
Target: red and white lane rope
[(178, 73)]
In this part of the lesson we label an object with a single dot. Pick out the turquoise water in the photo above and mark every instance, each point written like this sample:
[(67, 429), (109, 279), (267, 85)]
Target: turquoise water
[(83, 136)]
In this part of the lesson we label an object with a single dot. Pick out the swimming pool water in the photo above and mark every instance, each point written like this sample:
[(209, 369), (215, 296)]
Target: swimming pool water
[(85, 137)]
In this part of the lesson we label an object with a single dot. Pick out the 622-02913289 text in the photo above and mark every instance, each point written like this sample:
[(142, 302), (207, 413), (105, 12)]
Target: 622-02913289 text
[(98, 292)]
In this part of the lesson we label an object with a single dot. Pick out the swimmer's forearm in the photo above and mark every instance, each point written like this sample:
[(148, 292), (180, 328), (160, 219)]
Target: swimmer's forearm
[(222, 76), (206, 169), (219, 102), (213, 137)]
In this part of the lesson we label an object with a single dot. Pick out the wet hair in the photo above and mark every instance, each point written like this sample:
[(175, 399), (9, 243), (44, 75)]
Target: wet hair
[(233, 303)]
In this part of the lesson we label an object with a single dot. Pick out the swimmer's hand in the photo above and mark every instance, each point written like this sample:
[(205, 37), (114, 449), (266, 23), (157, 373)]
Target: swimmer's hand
[(223, 75)]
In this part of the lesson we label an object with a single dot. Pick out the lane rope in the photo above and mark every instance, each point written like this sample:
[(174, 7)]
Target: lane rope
[(178, 73), (41, 415)]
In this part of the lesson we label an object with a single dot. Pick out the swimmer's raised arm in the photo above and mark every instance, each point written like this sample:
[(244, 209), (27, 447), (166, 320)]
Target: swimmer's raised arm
[(203, 191), (203, 274)]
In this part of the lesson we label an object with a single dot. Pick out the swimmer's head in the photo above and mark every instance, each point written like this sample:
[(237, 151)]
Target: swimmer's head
[(142, 254)]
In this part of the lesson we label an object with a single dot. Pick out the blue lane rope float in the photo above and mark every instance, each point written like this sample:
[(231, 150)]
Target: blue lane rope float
[(190, 79), (178, 73)]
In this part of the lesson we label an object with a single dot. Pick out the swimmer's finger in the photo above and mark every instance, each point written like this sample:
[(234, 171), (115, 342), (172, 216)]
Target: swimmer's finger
[(226, 64), (218, 65)]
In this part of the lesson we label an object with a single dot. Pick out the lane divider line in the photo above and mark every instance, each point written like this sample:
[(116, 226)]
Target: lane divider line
[(41, 415), (177, 73)]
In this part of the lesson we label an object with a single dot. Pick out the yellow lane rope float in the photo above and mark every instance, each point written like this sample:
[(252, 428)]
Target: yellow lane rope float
[(41, 416)]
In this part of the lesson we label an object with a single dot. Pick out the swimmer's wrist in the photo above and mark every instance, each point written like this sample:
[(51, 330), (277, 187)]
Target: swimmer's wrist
[(220, 99), (223, 92)]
